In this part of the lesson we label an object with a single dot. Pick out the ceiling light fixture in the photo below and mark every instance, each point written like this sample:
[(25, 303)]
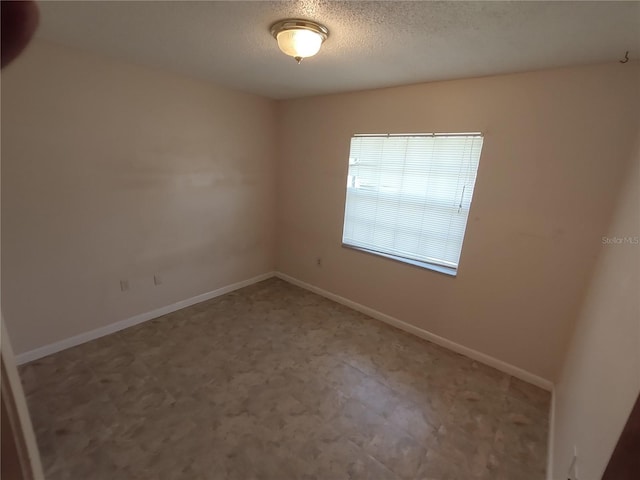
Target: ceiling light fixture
[(299, 38)]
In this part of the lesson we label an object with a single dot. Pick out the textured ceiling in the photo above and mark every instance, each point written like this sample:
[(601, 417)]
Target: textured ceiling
[(371, 44)]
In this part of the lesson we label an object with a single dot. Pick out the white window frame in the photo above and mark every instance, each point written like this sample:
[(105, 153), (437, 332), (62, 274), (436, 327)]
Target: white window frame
[(449, 267)]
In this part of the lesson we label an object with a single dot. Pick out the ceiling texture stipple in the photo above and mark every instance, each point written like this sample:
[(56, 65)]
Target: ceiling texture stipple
[(371, 44)]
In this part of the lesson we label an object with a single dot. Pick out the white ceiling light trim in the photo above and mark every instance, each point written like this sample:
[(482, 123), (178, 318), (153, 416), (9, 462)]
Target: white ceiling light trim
[(299, 38)]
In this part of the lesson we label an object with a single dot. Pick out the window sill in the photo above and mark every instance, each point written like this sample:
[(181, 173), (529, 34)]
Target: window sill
[(452, 272)]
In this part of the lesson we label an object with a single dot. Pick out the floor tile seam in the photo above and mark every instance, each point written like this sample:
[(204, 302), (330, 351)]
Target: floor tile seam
[(387, 421), (392, 470), (372, 457), (381, 381), (386, 418)]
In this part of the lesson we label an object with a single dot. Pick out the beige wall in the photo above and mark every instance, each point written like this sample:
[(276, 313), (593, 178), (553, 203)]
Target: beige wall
[(110, 172), (601, 376), (555, 146)]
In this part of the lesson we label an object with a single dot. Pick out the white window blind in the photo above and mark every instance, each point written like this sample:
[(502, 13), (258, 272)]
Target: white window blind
[(408, 196)]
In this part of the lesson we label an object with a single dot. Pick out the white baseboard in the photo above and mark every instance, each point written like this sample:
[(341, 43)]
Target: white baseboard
[(419, 332), (135, 320), (550, 440)]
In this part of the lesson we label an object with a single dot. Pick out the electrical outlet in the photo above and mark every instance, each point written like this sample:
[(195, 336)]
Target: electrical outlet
[(319, 261), (157, 279), (124, 285)]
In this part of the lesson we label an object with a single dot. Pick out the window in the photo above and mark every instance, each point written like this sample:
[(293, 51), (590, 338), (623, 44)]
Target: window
[(408, 196)]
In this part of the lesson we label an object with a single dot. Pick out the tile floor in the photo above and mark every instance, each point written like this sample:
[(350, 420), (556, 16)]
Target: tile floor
[(274, 382)]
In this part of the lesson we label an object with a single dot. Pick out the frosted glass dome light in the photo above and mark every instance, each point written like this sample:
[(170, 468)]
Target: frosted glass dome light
[(299, 38)]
